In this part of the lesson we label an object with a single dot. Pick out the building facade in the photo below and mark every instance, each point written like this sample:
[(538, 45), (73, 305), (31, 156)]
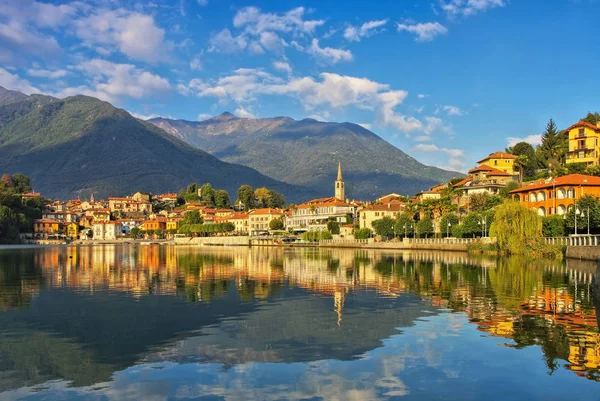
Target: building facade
[(584, 144), (366, 215), (557, 196), (259, 219), (501, 161), (107, 230)]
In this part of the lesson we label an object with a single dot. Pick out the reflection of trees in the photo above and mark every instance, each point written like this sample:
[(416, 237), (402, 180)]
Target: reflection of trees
[(20, 278)]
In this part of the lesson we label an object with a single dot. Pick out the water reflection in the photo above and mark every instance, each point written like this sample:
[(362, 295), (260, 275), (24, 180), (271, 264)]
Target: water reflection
[(348, 323)]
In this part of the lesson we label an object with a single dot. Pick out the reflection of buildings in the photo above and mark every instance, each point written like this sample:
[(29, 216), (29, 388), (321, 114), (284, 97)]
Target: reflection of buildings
[(501, 298)]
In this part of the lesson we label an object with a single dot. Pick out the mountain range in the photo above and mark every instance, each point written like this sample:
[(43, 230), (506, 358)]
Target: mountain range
[(79, 145), (307, 152)]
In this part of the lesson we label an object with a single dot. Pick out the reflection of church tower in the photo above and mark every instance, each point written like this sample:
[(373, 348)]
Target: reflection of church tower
[(339, 185), (338, 303)]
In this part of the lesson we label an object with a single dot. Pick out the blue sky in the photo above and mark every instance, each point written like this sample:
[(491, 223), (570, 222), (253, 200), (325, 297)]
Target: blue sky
[(447, 81)]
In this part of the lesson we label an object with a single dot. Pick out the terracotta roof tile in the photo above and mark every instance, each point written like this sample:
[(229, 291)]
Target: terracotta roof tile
[(584, 124), (490, 170), (570, 180), (498, 155)]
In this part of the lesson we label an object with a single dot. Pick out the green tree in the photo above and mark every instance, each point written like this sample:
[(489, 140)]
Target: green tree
[(245, 195), (552, 150), (262, 196), (514, 226), (451, 219), (276, 200), (404, 225), (192, 188), (362, 233), (592, 118), (587, 204), (192, 217), (134, 232), (22, 183), (576, 168), (553, 226), (384, 226), (276, 225), (425, 227), (481, 202), (9, 225), (222, 199), (333, 226), (207, 195)]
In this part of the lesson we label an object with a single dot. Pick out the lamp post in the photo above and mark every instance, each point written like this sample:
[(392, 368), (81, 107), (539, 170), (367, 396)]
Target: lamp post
[(588, 216), (576, 213), (404, 230), (448, 230), (483, 223)]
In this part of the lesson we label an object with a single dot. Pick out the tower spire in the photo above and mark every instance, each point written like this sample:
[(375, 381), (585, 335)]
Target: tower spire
[(339, 178), (339, 184)]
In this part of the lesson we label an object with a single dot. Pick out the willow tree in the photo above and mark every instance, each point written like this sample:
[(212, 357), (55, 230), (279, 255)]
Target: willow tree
[(514, 226)]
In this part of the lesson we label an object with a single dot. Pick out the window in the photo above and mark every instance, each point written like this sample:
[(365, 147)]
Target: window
[(495, 162), (581, 154), (581, 132)]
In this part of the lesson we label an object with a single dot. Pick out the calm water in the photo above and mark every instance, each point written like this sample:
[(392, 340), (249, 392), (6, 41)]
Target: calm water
[(175, 323)]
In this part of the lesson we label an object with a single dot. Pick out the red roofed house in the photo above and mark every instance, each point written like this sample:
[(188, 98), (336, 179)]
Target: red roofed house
[(259, 219), (366, 215), (584, 143), (557, 195), (501, 161)]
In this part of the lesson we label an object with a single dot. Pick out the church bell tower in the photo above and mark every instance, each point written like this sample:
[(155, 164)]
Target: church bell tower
[(339, 185)]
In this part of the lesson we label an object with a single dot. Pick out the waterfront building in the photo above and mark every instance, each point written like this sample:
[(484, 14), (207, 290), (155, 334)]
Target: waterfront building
[(501, 161), (556, 195), (154, 224), (485, 180), (72, 230), (367, 214), (107, 230), (259, 219), (238, 219), (42, 228), (584, 143)]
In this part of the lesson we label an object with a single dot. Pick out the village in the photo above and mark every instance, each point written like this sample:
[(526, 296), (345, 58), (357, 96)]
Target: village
[(439, 211)]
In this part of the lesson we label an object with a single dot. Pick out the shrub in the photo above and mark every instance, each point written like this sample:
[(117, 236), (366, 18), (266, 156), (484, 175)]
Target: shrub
[(362, 233)]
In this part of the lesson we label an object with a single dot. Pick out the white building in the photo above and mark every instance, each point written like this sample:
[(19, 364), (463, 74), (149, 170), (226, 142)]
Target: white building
[(107, 230)]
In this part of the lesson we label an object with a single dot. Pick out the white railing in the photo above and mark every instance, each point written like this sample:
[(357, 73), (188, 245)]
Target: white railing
[(575, 240), (345, 241), (443, 241)]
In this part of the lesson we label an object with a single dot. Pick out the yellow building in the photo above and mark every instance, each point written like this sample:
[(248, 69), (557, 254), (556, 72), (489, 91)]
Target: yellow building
[(501, 161), (172, 224), (584, 145), (368, 214), (73, 230)]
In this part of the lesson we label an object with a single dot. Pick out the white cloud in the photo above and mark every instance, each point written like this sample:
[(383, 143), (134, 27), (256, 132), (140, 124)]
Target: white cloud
[(18, 36), (38, 72), (424, 31), (329, 54), (203, 116), (196, 64), (331, 91), (254, 21), (455, 156), (421, 96), (532, 139), (352, 33), (365, 125), (135, 35), (202, 3), (283, 66), (271, 41), (40, 14), (14, 82), (225, 42), (112, 81), (144, 116), (466, 8), (452, 110), (243, 113)]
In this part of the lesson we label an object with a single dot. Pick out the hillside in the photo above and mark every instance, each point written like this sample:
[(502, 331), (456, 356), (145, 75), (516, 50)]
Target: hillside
[(306, 153), (80, 145)]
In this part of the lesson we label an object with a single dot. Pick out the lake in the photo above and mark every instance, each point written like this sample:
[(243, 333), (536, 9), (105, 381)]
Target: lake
[(181, 323)]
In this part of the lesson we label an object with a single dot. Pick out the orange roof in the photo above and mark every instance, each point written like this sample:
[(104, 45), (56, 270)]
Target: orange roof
[(322, 202), (463, 182), (583, 124), (46, 221), (31, 195), (167, 196), (490, 170), (266, 210), (237, 216), (498, 155), (391, 206), (571, 180)]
